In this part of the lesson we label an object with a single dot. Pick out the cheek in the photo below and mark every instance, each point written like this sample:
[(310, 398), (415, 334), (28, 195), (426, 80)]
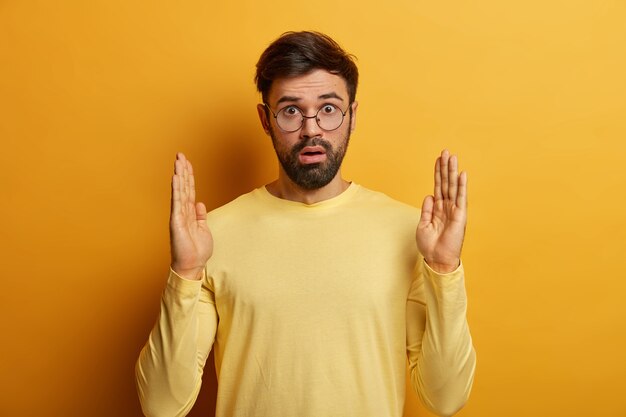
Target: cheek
[(284, 141), (340, 135)]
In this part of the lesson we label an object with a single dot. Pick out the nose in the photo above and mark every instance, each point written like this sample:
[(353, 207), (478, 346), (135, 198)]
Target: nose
[(310, 128)]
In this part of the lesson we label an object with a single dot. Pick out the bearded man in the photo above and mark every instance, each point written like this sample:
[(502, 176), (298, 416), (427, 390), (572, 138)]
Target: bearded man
[(313, 291)]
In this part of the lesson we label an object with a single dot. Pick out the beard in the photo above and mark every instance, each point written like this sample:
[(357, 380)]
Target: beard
[(311, 176)]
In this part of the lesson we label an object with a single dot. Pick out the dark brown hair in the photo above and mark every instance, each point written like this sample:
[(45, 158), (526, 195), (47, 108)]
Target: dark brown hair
[(297, 53)]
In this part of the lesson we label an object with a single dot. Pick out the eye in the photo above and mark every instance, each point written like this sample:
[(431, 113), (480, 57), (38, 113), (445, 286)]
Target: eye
[(291, 111), (328, 109)]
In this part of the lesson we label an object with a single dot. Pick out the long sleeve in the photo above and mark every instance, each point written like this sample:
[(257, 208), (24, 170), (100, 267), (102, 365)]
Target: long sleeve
[(439, 346), (169, 370)]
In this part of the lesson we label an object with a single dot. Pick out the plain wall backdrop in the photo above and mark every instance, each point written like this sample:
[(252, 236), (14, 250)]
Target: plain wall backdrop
[(97, 96)]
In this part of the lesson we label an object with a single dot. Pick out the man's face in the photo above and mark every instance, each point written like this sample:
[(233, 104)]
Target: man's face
[(310, 156)]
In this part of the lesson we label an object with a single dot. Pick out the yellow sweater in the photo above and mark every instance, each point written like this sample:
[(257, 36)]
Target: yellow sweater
[(312, 311)]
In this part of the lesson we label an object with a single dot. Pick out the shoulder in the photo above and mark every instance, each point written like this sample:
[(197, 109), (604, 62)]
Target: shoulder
[(243, 205), (375, 208), (381, 201)]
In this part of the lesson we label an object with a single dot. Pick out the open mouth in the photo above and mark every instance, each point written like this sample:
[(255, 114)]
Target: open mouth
[(312, 155)]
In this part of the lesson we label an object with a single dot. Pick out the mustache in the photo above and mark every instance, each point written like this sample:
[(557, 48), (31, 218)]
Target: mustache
[(311, 142)]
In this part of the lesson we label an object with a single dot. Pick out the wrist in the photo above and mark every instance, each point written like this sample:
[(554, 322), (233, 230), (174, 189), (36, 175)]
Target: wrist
[(194, 274), (443, 267)]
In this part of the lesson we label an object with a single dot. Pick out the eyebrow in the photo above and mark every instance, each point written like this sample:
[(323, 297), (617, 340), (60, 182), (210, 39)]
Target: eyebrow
[(330, 95), (284, 99)]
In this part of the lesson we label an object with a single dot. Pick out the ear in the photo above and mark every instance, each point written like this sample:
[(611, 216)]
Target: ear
[(354, 106), (265, 123)]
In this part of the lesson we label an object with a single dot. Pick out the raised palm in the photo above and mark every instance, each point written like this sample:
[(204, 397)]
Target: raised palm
[(191, 242), (441, 228)]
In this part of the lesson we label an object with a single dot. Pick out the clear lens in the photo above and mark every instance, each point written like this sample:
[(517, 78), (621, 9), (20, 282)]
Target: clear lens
[(289, 118), (329, 117)]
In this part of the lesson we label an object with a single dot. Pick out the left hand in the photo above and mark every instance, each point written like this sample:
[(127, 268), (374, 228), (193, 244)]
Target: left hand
[(441, 228)]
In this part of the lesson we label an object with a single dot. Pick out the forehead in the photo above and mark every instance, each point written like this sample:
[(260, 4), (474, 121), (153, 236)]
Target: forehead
[(308, 87)]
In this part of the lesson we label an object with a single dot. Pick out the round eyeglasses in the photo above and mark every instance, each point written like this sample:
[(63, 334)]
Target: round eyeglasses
[(290, 118)]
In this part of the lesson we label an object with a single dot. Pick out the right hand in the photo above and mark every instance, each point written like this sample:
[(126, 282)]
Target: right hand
[(191, 242)]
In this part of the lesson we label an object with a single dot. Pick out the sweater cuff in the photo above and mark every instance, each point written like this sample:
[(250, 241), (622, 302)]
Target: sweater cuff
[(184, 286), (432, 273)]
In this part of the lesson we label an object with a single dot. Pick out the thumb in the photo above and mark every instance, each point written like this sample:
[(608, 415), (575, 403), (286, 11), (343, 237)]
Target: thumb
[(427, 211), (200, 211)]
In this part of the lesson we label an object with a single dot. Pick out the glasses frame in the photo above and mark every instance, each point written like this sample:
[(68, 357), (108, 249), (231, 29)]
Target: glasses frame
[(275, 115)]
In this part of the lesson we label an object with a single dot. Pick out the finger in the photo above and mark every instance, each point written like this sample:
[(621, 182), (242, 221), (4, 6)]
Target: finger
[(175, 203), (177, 183), (183, 186), (180, 162), (427, 210), (452, 178), (185, 164), (437, 193), (200, 211), (461, 198), (444, 173), (180, 186), (192, 184)]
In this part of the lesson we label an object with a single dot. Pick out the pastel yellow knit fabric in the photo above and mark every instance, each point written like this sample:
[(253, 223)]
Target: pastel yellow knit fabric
[(312, 311)]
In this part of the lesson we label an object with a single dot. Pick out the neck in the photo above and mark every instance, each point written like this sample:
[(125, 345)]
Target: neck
[(286, 189)]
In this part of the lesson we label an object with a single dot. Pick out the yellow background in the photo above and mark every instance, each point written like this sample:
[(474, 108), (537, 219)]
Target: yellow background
[(97, 96)]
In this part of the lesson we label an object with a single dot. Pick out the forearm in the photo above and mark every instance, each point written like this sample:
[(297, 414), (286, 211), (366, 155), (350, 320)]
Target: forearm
[(442, 368), (169, 369)]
